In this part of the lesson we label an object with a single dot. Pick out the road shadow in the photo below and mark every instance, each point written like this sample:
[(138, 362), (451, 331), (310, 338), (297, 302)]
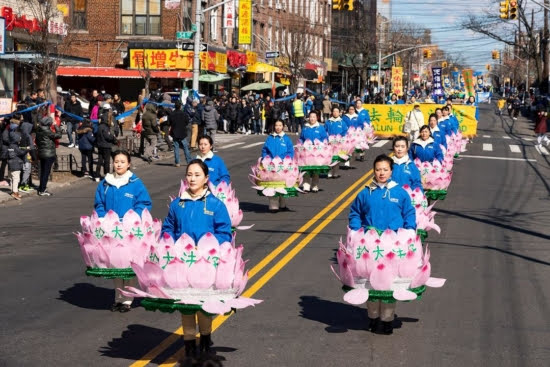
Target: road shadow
[(338, 316), (86, 295), (254, 207)]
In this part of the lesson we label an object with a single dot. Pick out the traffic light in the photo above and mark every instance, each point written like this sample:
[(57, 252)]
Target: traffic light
[(495, 54), (488, 67), (513, 10), (504, 7), (429, 54), (337, 4), (425, 54), (444, 64), (348, 5)]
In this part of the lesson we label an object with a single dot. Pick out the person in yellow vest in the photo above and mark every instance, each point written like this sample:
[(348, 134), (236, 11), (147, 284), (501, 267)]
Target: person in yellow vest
[(298, 114)]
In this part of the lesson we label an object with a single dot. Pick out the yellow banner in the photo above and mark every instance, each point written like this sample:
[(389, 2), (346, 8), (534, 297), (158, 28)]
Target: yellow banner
[(251, 58), (468, 75), (245, 22), (166, 59), (388, 120), (397, 80)]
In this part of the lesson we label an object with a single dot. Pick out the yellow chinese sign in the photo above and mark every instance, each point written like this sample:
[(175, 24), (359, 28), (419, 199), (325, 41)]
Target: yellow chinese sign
[(245, 22), (468, 75), (251, 58), (166, 59), (388, 120), (397, 80)]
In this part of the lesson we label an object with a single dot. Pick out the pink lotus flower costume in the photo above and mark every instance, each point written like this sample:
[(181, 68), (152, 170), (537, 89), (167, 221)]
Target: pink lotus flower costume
[(424, 214), (114, 243), (434, 175), (456, 144), (389, 267), (205, 274), (360, 137), (315, 153), (276, 176), (342, 146)]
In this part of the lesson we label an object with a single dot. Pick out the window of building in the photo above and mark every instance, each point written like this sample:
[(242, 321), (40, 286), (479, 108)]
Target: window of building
[(214, 24), (79, 14), (140, 17)]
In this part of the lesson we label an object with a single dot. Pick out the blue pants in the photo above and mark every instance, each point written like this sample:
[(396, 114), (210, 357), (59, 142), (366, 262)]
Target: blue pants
[(71, 128), (256, 126), (181, 143)]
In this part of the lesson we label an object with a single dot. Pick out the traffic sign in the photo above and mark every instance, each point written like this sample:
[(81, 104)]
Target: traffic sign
[(184, 35), (189, 46), (271, 54)]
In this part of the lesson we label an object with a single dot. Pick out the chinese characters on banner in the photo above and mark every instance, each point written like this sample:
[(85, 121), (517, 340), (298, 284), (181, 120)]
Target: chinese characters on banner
[(397, 80), (175, 59), (171, 4), (229, 15), (437, 86), (245, 22), (251, 58), (5, 106), (468, 76)]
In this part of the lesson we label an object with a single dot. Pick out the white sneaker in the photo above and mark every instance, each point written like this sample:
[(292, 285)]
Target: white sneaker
[(315, 189), (76, 146), (71, 145), (347, 164), (306, 187), (329, 175)]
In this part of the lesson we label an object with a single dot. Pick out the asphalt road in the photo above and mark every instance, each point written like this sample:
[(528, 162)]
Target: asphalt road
[(493, 250)]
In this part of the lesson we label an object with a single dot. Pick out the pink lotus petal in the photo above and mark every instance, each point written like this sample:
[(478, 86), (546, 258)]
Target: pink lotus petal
[(224, 274), (259, 188), (357, 296), (216, 307), (154, 274), (146, 217), (404, 295), (99, 256), (335, 272), (120, 256), (242, 302), (269, 192), (422, 276), (435, 282), (381, 278), (189, 301), (208, 246), (281, 190), (175, 274), (202, 274), (134, 292), (157, 292)]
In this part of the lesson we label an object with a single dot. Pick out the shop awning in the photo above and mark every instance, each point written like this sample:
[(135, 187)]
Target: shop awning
[(262, 67), (96, 72), (34, 57)]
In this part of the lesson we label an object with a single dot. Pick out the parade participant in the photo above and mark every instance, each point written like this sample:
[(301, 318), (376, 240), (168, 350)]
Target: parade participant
[(414, 120), (425, 147), (45, 143), (363, 116), (209, 215), (443, 122), (121, 191), (541, 126), (382, 205), (351, 118), (438, 136), (450, 121), (312, 131), (404, 171), (217, 170), (336, 126)]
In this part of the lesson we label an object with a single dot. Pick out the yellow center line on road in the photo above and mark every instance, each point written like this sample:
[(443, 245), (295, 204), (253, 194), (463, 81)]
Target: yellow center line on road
[(172, 360), (175, 336)]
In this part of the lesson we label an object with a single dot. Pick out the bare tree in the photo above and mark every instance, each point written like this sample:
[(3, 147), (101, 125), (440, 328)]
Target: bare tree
[(298, 49)]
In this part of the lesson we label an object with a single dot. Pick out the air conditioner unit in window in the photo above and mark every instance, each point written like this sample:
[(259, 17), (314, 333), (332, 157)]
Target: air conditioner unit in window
[(279, 5)]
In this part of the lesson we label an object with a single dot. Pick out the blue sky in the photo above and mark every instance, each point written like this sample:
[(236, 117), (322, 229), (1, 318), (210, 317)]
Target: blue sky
[(444, 17)]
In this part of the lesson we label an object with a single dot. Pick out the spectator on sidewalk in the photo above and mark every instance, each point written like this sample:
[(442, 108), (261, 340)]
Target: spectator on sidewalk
[(86, 142), (210, 120), (16, 155), (256, 117), (27, 140), (105, 140), (162, 114), (193, 120), (73, 107), (149, 131), (3, 152), (45, 142), (178, 122), (118, 109)]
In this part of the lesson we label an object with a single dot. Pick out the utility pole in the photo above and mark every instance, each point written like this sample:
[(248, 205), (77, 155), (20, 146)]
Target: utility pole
[(197, 45), (546, 67)]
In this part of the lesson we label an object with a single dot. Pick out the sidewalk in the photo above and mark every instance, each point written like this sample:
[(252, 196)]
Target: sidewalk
[(65, 177)]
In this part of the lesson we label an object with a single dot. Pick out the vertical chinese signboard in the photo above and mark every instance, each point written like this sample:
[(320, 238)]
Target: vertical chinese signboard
[(229, 15), (397, 80), (245, 22), (437, 85), (468, 76)]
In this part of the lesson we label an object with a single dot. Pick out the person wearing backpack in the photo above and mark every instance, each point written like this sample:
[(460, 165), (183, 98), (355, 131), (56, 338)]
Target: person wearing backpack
[(105, 140), (414, 120)]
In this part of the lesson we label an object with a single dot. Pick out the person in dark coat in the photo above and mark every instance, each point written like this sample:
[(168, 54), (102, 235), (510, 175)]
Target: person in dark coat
[(86, 142), (193, 119), (45, 143), (149, 131), (104, 140), (162, 114), (73, 107), (210, 120), (243, 117), (118, 108), (541, 126), (27, 128), (16, 155), (232, 114), (178, 122)]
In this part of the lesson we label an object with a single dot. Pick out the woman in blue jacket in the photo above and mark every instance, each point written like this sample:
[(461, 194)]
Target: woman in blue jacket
[(382, 205), (336, 126), (351, 118), (216, 167), (439, 137), (425, 147), (311, 131), (121, 191), (278, 144), (404, 170), (197, 212)]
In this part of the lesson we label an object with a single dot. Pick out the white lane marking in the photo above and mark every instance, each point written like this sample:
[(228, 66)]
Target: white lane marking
[(380, 144), (541, 150), (499, 158), (251, 145), (506, 137), (488, 147), (231, 145), (486, 136), (528, 139), (515, 148)]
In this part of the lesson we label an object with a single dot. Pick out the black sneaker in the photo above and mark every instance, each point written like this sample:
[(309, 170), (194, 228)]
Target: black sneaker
[(116, 307), (124, 308), (44, 193)]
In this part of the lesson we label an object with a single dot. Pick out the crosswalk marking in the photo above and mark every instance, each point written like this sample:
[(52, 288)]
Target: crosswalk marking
[(231, 145), (542, 150), (488, 147), (498, 158), (380, 144), (528, 139), (506, 137), (486, 136), (251, 145), (515, 148)]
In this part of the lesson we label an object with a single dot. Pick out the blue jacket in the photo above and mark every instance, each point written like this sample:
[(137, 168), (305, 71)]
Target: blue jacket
[(217, 171), (382, 208), (439, 137), (444, 126), (336, 127), (86, 138), (352, 121), (364, 117), (313, 132), (278, 146), (407, 174), (196, 218), (427, 152), (454, 124), (133, 195)]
